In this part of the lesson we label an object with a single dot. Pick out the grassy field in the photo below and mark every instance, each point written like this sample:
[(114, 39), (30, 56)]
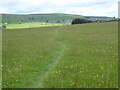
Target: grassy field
[(33, 24), (77, 56)]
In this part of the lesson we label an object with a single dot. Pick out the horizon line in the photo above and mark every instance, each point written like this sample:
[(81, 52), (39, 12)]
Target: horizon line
[(56, 13)]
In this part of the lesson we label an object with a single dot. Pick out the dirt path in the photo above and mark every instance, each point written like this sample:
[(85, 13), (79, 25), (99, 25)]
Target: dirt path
[(59, 52)]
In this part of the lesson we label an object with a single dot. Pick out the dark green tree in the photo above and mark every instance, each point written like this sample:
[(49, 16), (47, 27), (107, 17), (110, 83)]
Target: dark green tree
[(80, 21), (3, 26), (58, 21)]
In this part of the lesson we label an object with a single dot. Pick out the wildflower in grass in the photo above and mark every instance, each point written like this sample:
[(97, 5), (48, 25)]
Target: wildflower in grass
[(94, 77), (97, 76), (102, 67), (72, 82), (103, 75), (56, 72), (81, 71), (65, 67), (113, 56)]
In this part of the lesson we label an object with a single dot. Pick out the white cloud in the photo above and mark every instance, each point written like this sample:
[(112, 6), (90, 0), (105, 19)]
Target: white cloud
[(3, 11), (82, 7)]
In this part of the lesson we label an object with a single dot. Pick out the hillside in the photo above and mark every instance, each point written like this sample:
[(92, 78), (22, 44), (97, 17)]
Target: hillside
[(16, 18), (51, 18)]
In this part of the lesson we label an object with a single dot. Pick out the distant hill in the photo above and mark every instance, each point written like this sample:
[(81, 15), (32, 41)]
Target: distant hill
[(54, 17), (17, 18), (100, 18)]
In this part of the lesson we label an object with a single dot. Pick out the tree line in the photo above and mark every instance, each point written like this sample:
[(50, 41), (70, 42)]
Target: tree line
[(80, 21)]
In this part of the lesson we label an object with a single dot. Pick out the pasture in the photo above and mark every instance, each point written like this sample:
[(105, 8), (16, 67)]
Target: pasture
[(76, 56), (33, 24)]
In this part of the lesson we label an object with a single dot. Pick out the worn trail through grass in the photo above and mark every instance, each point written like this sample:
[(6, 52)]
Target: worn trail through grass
[(54, 61)]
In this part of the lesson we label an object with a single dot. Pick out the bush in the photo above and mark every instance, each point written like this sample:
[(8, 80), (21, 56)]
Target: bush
[(80, 21), (3, 26)]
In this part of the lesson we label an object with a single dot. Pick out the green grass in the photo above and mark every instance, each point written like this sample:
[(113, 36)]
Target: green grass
[(54, 17), (77, 56), (33, 24)]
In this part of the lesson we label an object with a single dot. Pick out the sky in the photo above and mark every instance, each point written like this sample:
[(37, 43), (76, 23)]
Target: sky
[(79, 7)]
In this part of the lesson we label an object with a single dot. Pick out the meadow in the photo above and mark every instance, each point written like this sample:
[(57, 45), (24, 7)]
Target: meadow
[(76, 56), (32, 24)]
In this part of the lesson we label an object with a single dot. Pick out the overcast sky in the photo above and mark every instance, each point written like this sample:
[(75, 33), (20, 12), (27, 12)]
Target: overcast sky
[(80, 7)]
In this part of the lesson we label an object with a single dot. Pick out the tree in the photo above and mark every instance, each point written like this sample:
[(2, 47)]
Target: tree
[(3, 26), (80, 21), (58, 21)]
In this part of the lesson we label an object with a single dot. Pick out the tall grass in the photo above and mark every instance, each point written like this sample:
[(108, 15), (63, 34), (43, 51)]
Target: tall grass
[(77, 56)]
